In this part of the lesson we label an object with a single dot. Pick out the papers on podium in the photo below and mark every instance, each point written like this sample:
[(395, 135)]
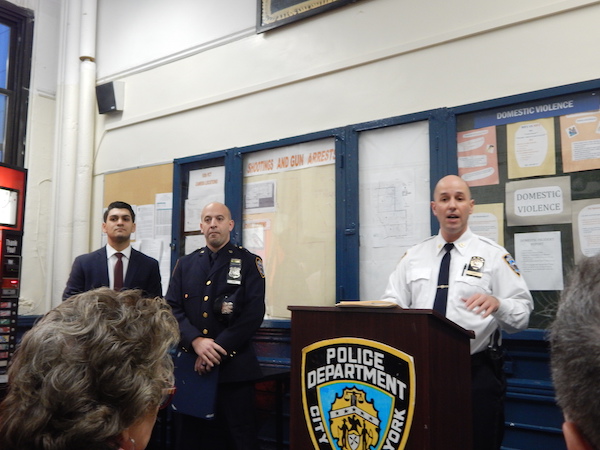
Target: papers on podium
[(367, 304)]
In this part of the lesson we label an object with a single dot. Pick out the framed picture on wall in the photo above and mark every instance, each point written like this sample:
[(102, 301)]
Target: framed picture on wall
[(275, 13)]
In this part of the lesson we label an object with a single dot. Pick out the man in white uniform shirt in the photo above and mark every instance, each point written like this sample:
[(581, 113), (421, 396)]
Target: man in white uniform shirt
[(485, 293)]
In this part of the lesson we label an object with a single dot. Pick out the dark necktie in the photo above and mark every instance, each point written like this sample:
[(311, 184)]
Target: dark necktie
[(441, 296), (213, 257), (119, 272)]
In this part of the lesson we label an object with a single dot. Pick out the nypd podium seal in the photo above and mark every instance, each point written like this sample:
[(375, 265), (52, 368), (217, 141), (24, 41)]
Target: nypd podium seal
[(357, 394)]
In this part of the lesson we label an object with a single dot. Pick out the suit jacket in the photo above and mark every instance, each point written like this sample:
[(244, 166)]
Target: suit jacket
[(90, 271), (197, 292)]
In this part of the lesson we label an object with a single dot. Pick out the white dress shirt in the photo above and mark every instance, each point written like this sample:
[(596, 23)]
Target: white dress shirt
[(112, 260), (413, 284)]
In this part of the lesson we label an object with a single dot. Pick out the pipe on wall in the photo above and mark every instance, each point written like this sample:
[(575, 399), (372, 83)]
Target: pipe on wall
[(70, 227), (85, 134)]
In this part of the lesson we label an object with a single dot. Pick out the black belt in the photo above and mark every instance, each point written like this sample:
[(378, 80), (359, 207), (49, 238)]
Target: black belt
[(480, 358), (493, 356), (494, 352)]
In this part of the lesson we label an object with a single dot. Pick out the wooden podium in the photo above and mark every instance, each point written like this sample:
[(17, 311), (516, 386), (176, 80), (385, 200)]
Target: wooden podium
[(441, 417)]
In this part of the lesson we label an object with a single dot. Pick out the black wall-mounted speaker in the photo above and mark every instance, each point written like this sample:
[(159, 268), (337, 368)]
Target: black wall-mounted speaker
[(110, 97)]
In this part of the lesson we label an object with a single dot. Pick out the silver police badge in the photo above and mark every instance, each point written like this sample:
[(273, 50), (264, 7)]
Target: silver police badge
[(357, 394), (234, 276), (475, 267)]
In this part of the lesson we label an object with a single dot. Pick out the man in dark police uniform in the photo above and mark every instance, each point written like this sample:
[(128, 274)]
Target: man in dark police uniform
[(217, 295)]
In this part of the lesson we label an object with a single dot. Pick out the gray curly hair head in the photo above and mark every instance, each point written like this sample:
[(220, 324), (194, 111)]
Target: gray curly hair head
[(88, 370), (575, 349)]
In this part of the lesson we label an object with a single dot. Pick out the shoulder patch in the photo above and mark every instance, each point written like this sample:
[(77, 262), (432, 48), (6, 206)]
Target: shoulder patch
[(511, 262), (260, 267)]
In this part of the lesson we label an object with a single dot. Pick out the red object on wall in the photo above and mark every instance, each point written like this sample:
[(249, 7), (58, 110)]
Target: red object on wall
[(13, 180)]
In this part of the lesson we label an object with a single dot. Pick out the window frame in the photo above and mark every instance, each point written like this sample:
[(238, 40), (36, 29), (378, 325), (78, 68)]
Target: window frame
[(21, 22)]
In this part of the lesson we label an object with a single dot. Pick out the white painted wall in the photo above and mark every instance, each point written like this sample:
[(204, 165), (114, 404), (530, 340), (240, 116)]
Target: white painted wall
[(40, 154), (369, 60), (186, 95), (137, 35)]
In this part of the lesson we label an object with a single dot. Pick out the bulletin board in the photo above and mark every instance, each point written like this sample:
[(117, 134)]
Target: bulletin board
[(289, 220), (394, 199), (138, 186), (150, 190), (533, 172)]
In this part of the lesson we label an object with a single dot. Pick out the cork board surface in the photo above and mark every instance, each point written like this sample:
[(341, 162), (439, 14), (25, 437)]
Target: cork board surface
[(138, 186)]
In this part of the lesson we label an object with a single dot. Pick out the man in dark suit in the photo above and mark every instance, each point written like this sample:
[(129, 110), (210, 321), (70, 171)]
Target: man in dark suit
[(97, 268), (217, 295)]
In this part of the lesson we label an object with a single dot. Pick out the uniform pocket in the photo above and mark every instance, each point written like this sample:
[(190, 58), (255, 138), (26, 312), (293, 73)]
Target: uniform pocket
[(418, 274), (472, 285)]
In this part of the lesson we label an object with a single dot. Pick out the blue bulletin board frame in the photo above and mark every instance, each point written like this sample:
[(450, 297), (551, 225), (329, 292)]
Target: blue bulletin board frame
[(443, 160)]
